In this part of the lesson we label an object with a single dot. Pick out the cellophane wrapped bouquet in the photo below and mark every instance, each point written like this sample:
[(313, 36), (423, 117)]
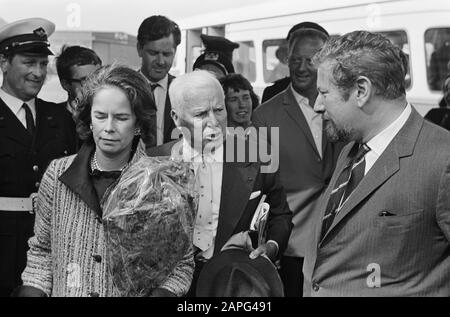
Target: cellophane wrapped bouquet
[(149, 218)]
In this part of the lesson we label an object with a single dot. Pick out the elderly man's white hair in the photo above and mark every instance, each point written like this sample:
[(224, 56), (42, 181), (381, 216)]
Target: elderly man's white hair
[(192, 86)]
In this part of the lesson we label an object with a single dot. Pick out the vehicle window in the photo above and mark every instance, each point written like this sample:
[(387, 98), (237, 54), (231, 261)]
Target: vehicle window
[(437, 53), (275, 53), (244, 60), (400, 39)]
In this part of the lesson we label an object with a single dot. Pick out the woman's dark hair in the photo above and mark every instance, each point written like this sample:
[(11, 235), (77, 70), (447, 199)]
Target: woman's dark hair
[(238, 82), (135, 88)]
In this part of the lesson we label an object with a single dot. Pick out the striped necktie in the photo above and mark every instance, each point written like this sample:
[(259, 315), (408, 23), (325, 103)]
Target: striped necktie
[(29, 119), (347, 181)]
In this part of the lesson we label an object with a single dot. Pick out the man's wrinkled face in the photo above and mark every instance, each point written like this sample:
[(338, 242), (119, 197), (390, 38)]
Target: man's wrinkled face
[(157, 57), (24, 74), (301, 69), (205, 119)]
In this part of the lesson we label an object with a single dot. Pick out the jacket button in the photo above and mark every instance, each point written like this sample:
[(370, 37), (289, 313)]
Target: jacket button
[(35, 168), (97, 258), (93, 294), (66, 152), (315, 287), (37, 184)]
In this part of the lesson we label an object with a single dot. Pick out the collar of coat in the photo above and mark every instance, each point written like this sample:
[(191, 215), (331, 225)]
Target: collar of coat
[(77, 177)]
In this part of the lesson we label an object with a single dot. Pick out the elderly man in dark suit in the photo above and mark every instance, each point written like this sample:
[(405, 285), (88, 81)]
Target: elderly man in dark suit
[(32, 133), (307, 158), (230, 189), (384, 228), (158, 38)]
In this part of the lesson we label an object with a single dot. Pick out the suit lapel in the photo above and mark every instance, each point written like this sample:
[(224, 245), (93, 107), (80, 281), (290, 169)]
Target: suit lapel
[(293, 109), (387, 165), (237, 184), (169, 125), (77, 178), (12, 127), (46, 124)]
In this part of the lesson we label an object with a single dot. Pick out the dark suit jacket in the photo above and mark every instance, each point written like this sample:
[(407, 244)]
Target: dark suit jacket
[(406, 253), (303, 173), (274, 89), (23, 161), (169, 125), (72, 127), (236, 209), (439, 116)]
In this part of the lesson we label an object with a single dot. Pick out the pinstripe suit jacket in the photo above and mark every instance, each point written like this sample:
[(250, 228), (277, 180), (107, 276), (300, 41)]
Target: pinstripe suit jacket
[(404, 254)]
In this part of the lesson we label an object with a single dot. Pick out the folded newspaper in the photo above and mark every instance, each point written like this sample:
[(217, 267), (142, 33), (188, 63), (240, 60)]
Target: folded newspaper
[(148, 219)]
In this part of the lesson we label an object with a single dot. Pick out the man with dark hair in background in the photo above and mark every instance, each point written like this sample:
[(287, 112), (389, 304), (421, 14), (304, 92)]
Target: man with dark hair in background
[(74, 65), (33, 132), (307, 157), (158, 38)]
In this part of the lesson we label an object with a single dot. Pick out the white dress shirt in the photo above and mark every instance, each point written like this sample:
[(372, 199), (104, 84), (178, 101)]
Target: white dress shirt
[(160, 94), (313, 119), (380, 142), (15, 104), (215, 159)]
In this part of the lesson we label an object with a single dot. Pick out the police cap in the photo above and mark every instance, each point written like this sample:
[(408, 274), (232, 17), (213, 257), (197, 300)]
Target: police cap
[(26, 36)]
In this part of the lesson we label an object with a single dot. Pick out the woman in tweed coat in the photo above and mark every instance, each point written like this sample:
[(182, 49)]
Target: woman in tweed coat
[(67, 254)]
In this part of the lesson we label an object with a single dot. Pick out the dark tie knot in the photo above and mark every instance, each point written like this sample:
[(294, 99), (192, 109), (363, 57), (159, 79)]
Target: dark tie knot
[(29, 118), (363, 149), (153, 86)]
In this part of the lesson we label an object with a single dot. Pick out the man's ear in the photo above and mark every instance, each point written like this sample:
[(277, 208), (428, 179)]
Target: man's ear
[(4, 63), (364, 90), (139, 49)]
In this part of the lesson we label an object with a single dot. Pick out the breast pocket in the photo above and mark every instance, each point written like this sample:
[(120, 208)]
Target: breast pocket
[(399, 223)]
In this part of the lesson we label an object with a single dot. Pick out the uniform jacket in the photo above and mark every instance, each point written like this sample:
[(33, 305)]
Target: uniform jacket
[(66, 256), (303, 173), (236, 210), (392, 236), (23, 161)]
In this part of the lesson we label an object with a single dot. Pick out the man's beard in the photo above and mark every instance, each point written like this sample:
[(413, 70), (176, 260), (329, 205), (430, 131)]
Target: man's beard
[(336, 134)]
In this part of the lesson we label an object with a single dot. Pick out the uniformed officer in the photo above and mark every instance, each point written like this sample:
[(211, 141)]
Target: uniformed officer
[(32, 133), (217, 57)]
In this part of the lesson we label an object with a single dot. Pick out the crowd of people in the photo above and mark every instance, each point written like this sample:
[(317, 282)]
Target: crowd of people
[(358, 204)]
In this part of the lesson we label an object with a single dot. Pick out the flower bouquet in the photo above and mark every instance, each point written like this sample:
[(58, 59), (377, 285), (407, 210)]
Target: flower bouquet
[(148, 219)]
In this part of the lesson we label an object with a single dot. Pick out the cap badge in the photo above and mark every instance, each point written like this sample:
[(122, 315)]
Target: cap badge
[(40, 32), (211, 56)]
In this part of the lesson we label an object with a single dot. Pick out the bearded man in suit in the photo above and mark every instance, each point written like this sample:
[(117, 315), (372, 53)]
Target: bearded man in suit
[(307, 157), (384, 228)]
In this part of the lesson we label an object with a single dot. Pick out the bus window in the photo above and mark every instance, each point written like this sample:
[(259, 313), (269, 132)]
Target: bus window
[(437, 52), (275, 53), (244, 60), (400, 39)]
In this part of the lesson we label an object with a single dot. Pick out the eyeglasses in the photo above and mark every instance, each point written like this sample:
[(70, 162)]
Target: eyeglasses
[(80, 81)]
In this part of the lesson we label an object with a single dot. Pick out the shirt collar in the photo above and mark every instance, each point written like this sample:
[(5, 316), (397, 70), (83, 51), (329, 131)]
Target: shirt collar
[(299, 98), (15, 104), (163, 83), (381, 141), (303, 102)]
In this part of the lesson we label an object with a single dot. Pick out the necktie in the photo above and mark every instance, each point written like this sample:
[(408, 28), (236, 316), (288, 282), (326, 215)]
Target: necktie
[(203, 235), (29, 119), (347, 181), (153, 86)]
